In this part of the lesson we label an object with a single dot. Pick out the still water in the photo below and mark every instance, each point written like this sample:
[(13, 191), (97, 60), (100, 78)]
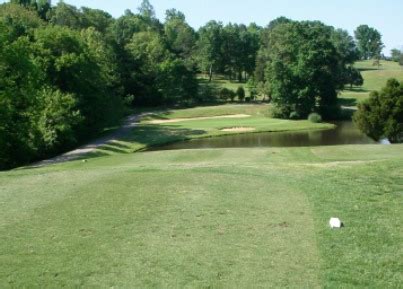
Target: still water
[(344, 133)]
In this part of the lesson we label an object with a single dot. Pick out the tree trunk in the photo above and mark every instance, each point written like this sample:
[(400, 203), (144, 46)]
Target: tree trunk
[(211, 73)]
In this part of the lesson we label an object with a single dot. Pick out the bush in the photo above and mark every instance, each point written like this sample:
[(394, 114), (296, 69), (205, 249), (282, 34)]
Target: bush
[(382, 114), (206, 94), (252, 93), (280, 112), (241, 93), (315, 118), (226, 94)]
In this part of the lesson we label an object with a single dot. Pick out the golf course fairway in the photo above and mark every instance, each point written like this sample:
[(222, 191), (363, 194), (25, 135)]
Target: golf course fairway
[(225, 218)]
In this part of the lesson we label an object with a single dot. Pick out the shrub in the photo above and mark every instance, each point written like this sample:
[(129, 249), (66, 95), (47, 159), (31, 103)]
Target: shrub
[(252, 93), (315, 118), (382, 114), (206, 93), (226, 94), (280, 112), (241, 93)]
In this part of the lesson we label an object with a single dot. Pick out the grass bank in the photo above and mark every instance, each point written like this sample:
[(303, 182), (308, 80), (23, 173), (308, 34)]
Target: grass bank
[(148, 134), (374, 79), (231, 218)]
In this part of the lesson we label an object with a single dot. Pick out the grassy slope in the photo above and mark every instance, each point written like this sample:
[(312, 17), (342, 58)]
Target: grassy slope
[(145, 135), (237, 218), (374, 79), (219, 81)]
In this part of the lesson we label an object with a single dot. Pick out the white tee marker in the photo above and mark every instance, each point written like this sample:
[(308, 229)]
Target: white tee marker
[(335, 223)]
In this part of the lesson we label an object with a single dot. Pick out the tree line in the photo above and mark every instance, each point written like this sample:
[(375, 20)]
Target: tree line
[(67, 73)]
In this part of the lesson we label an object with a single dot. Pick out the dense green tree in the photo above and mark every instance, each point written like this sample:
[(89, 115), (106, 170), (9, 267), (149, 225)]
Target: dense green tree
[(369, 41), (58, 115), (74, 68), (66, 15), (126, 26), (176, 83), (19, 21), (382, 114), (180, 37), (97, 19), (22, 2), (240, 92), (43, 8), (262, 56), (146, 51), (345, 46), (347, 55), (303, 69), (396, 54), (353, 77), (19, 81), (146, 9), (209, 47)]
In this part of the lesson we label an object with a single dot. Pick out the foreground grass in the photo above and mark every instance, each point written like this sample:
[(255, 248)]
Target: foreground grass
[(233, 218), (146, 134), (374, 79)]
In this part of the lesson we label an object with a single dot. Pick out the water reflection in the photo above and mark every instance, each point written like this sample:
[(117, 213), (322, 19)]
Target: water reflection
[(345, 133)]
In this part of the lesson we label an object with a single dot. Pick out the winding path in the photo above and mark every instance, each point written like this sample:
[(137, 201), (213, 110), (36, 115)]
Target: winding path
[(128, 125)]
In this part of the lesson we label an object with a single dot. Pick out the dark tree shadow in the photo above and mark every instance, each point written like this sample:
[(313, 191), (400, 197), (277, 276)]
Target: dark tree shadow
[(355, 89), (348, 102), (148, 136)]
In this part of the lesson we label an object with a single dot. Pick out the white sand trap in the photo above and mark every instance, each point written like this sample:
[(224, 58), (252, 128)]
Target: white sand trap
[(239, 129), (162, 121)]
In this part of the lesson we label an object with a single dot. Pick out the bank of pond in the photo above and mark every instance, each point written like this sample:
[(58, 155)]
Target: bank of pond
[(344, 133)]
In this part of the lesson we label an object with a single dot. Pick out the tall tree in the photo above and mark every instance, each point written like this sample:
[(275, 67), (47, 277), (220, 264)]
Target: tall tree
[(369, 41), (66, 15), (146, 9), (396, 54), (180, 37), (209, 47), (302, 68)]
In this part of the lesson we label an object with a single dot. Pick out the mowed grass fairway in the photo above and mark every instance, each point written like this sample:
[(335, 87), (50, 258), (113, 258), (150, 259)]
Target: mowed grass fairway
[(233, 218)]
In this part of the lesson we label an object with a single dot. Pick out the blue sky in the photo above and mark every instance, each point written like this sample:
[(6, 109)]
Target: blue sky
[(384, 15)]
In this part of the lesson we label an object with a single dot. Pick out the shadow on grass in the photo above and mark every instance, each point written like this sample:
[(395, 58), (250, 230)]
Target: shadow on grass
[(348, 102), (355, 89), (144, 137), (371, 68)]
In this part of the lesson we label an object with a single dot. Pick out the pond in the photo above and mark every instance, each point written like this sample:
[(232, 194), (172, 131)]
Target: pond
[(344, 133)]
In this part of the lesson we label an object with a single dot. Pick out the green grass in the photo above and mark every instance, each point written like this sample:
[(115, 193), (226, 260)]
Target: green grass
[(220, 81), (375, 78), (217, 110), (147, 135), (226, 218)]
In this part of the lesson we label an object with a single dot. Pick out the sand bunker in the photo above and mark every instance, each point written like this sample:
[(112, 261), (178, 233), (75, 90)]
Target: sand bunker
[(162, 121), (239, 129)]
